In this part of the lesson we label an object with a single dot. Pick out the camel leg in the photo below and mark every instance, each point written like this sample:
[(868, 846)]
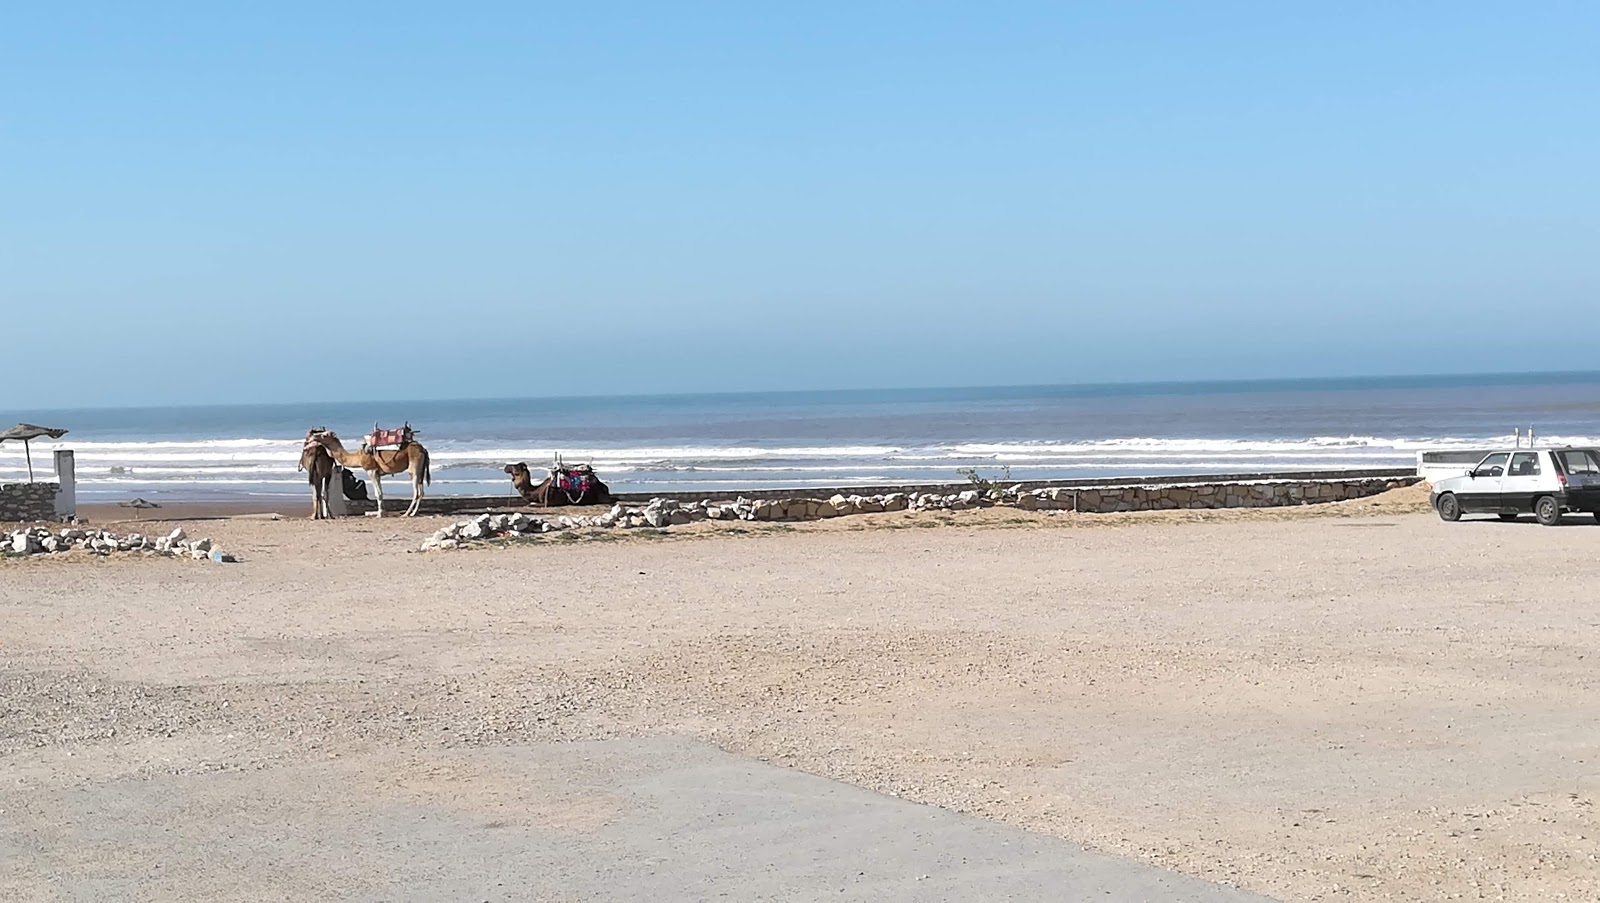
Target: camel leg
[(416, 493), (316, 502), (377, 488)]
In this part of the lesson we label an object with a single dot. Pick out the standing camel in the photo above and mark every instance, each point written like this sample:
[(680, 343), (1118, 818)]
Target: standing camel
[(410, 457), (319, 465)]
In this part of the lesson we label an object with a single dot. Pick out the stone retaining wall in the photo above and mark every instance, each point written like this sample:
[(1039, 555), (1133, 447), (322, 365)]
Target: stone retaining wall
[(1111, 493), (1206, 495), (665, 512), (26, 502)]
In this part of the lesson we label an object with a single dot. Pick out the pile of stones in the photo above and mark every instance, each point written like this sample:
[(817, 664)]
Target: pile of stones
[(45, 541), (663, 513)]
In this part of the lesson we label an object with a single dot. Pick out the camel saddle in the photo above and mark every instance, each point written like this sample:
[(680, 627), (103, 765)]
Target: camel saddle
[(573, 480), (380, 438)]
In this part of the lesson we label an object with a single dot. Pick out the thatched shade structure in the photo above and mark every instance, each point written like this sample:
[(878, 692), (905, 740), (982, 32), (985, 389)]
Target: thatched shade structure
[(28, 432)]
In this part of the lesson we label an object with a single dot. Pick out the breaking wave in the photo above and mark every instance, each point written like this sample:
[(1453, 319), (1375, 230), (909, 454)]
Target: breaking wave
[(255, 466)]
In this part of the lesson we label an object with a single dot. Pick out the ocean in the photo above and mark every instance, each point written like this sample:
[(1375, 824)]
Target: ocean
[(728, 442)]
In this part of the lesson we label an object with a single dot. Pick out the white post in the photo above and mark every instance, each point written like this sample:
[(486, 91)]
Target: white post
[(335, 496), (67, 476)]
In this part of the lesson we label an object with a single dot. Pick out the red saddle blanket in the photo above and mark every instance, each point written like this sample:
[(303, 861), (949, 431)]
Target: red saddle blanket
[(387, 438), (574, 482)]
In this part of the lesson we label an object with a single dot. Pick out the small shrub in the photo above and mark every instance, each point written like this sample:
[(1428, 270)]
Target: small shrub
[(983, 484)]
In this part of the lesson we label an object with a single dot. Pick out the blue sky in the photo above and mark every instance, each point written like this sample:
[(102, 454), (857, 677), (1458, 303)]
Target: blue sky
[(288, 201)]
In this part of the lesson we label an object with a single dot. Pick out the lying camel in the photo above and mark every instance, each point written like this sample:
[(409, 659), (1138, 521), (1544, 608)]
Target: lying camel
[(549, 494), (409, 458), (319, 466)]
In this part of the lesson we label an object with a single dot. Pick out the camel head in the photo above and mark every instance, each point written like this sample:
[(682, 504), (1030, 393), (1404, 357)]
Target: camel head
[(321, 437), (517, 470)]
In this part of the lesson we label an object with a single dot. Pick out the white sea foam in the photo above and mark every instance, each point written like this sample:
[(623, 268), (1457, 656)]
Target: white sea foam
[(248, 465)]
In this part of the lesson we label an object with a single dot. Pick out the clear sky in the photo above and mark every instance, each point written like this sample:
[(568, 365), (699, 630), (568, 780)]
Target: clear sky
[(214, 202)]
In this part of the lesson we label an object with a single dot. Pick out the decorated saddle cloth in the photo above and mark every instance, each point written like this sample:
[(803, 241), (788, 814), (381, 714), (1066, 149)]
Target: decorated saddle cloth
[(574, 481), (380, 438)]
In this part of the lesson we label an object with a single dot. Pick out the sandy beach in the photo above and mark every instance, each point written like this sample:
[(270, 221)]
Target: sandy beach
[(1350, 701)]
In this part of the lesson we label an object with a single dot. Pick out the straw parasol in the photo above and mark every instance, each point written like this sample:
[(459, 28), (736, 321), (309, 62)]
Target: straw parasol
[(139, 505), (28, 432)]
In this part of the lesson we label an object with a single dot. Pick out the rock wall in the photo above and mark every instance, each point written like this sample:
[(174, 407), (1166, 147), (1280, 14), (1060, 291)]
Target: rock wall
[(1106, 499), (25, 502), (665, 512)]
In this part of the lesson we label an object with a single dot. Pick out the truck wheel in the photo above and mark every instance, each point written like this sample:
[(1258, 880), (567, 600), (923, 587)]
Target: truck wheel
[(1449, 507), (1547, 510)]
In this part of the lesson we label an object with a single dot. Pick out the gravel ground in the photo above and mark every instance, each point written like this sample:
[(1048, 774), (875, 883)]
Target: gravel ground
[(1347, 702)]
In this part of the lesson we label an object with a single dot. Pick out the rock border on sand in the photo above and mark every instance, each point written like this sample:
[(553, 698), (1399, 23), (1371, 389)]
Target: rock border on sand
[(45, 541), (663, 513)]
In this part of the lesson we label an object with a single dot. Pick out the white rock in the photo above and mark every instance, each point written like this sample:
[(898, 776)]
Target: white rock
[(177, 536)]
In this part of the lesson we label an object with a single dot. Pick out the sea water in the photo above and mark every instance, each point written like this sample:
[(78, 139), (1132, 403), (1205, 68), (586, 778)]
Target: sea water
[(728, 442)]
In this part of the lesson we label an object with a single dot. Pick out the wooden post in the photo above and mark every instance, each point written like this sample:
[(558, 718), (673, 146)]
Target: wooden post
[(27, 451)]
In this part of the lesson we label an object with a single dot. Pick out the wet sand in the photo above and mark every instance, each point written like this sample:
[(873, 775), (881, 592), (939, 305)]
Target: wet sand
[(1343, 702)]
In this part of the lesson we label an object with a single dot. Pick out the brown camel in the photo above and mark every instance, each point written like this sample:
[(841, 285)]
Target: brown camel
[(549, 495), (409, 458), (319, 466)]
